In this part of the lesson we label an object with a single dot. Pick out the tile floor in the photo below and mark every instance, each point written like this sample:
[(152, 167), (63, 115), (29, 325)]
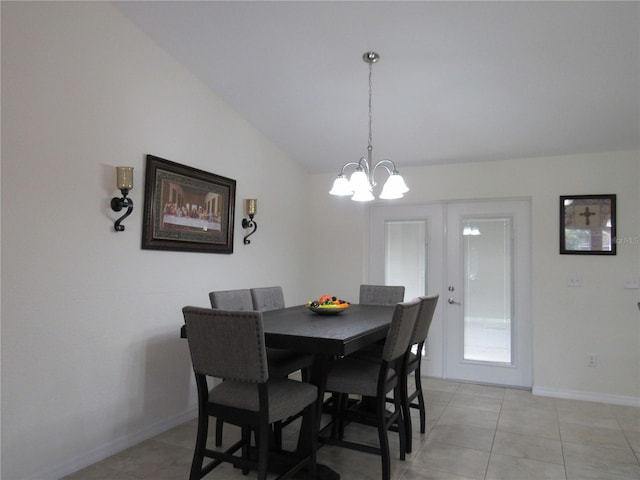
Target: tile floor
[(473, 432)]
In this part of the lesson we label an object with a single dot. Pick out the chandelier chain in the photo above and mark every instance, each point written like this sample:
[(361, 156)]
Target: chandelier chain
[(370, 115)]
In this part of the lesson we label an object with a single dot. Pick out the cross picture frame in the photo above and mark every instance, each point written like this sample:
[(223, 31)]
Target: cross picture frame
[(588, 224)]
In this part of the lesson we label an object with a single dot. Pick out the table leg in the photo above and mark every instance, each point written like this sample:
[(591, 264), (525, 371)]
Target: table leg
[(308, 431)]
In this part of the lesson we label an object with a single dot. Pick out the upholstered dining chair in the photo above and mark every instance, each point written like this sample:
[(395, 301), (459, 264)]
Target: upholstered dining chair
[(231, 299), (230, 345), (267, 298), (366, 377), (281, 363), (381, 294), (412, 364)]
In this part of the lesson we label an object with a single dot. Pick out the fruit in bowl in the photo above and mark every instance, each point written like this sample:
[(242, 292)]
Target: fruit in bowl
[(327, 303)]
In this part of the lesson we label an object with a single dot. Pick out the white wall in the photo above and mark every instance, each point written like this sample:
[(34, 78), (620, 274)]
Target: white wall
[(91, 358), (599, 318)]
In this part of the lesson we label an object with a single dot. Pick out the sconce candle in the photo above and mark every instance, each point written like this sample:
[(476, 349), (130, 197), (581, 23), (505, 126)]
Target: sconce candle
[(250, 207), (124, 182), (124, 178)]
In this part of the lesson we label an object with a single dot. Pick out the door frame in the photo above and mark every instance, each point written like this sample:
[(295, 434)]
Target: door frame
[(434, 363), (433, 214), (520, 372)]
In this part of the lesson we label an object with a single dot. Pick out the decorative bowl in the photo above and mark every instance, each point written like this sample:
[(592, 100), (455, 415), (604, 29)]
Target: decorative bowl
[(327, 310)]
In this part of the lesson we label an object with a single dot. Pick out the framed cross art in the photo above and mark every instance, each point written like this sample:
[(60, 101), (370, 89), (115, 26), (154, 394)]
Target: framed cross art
[(588, 224)]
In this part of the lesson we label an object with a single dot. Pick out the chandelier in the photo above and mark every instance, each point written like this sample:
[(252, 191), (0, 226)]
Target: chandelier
[(360, 184)]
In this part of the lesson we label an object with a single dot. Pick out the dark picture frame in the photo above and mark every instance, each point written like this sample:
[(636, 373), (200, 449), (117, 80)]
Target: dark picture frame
[(588, 224), (187, 209)]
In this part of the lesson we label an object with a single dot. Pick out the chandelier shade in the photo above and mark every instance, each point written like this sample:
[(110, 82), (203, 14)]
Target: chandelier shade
[(341, 186), (361, 183), (394, 187)]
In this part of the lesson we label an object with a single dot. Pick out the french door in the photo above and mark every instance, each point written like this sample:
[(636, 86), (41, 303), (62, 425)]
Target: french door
[(476, 256)]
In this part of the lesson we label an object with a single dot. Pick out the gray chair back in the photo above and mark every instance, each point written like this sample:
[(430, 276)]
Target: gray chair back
[(427, 309), (381, 294), (401, 329), (231, 300), (227, 344), (267, 298)]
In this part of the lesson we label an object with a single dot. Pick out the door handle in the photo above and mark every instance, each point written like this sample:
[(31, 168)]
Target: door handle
[(452, 301)]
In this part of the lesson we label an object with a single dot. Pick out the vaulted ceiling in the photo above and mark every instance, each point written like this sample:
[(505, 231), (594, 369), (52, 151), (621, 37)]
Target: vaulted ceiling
[(456, 82)]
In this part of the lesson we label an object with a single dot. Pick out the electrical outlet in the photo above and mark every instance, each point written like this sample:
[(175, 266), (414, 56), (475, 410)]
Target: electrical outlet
[(592, 360)]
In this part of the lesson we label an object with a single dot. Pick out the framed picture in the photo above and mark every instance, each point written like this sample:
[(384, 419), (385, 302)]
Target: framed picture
[(588, 224), (187, 209)]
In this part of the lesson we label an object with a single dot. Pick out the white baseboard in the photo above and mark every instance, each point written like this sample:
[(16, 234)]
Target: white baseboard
[(587, 396), (115, 446)]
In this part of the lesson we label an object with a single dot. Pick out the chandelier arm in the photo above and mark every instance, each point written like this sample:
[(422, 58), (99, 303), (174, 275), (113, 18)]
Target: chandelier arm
[(357, 164), (382, 163), (364, 164)]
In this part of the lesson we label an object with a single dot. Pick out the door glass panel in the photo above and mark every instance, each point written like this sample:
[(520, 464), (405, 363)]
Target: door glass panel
[(406, 256), (487, 262)]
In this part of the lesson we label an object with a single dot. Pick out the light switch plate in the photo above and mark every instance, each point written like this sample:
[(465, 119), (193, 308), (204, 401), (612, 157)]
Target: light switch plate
[(632, 282)]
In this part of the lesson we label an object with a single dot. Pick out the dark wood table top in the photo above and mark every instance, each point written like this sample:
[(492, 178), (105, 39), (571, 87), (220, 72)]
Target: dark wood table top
[(298, 328)]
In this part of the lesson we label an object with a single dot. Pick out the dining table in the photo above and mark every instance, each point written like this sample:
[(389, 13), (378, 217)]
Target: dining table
[(326, 335), (340, 333)]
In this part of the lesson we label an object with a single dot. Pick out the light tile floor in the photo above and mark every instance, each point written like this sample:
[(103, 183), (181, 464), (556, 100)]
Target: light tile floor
[(473, 432)]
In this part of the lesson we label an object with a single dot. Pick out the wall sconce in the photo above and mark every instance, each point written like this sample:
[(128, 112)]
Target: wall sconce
[(124, 180), (250, 208)]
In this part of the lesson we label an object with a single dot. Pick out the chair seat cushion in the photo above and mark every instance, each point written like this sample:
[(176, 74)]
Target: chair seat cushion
[(374, 352), (286, 397), (358, 376), (283, 362)]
